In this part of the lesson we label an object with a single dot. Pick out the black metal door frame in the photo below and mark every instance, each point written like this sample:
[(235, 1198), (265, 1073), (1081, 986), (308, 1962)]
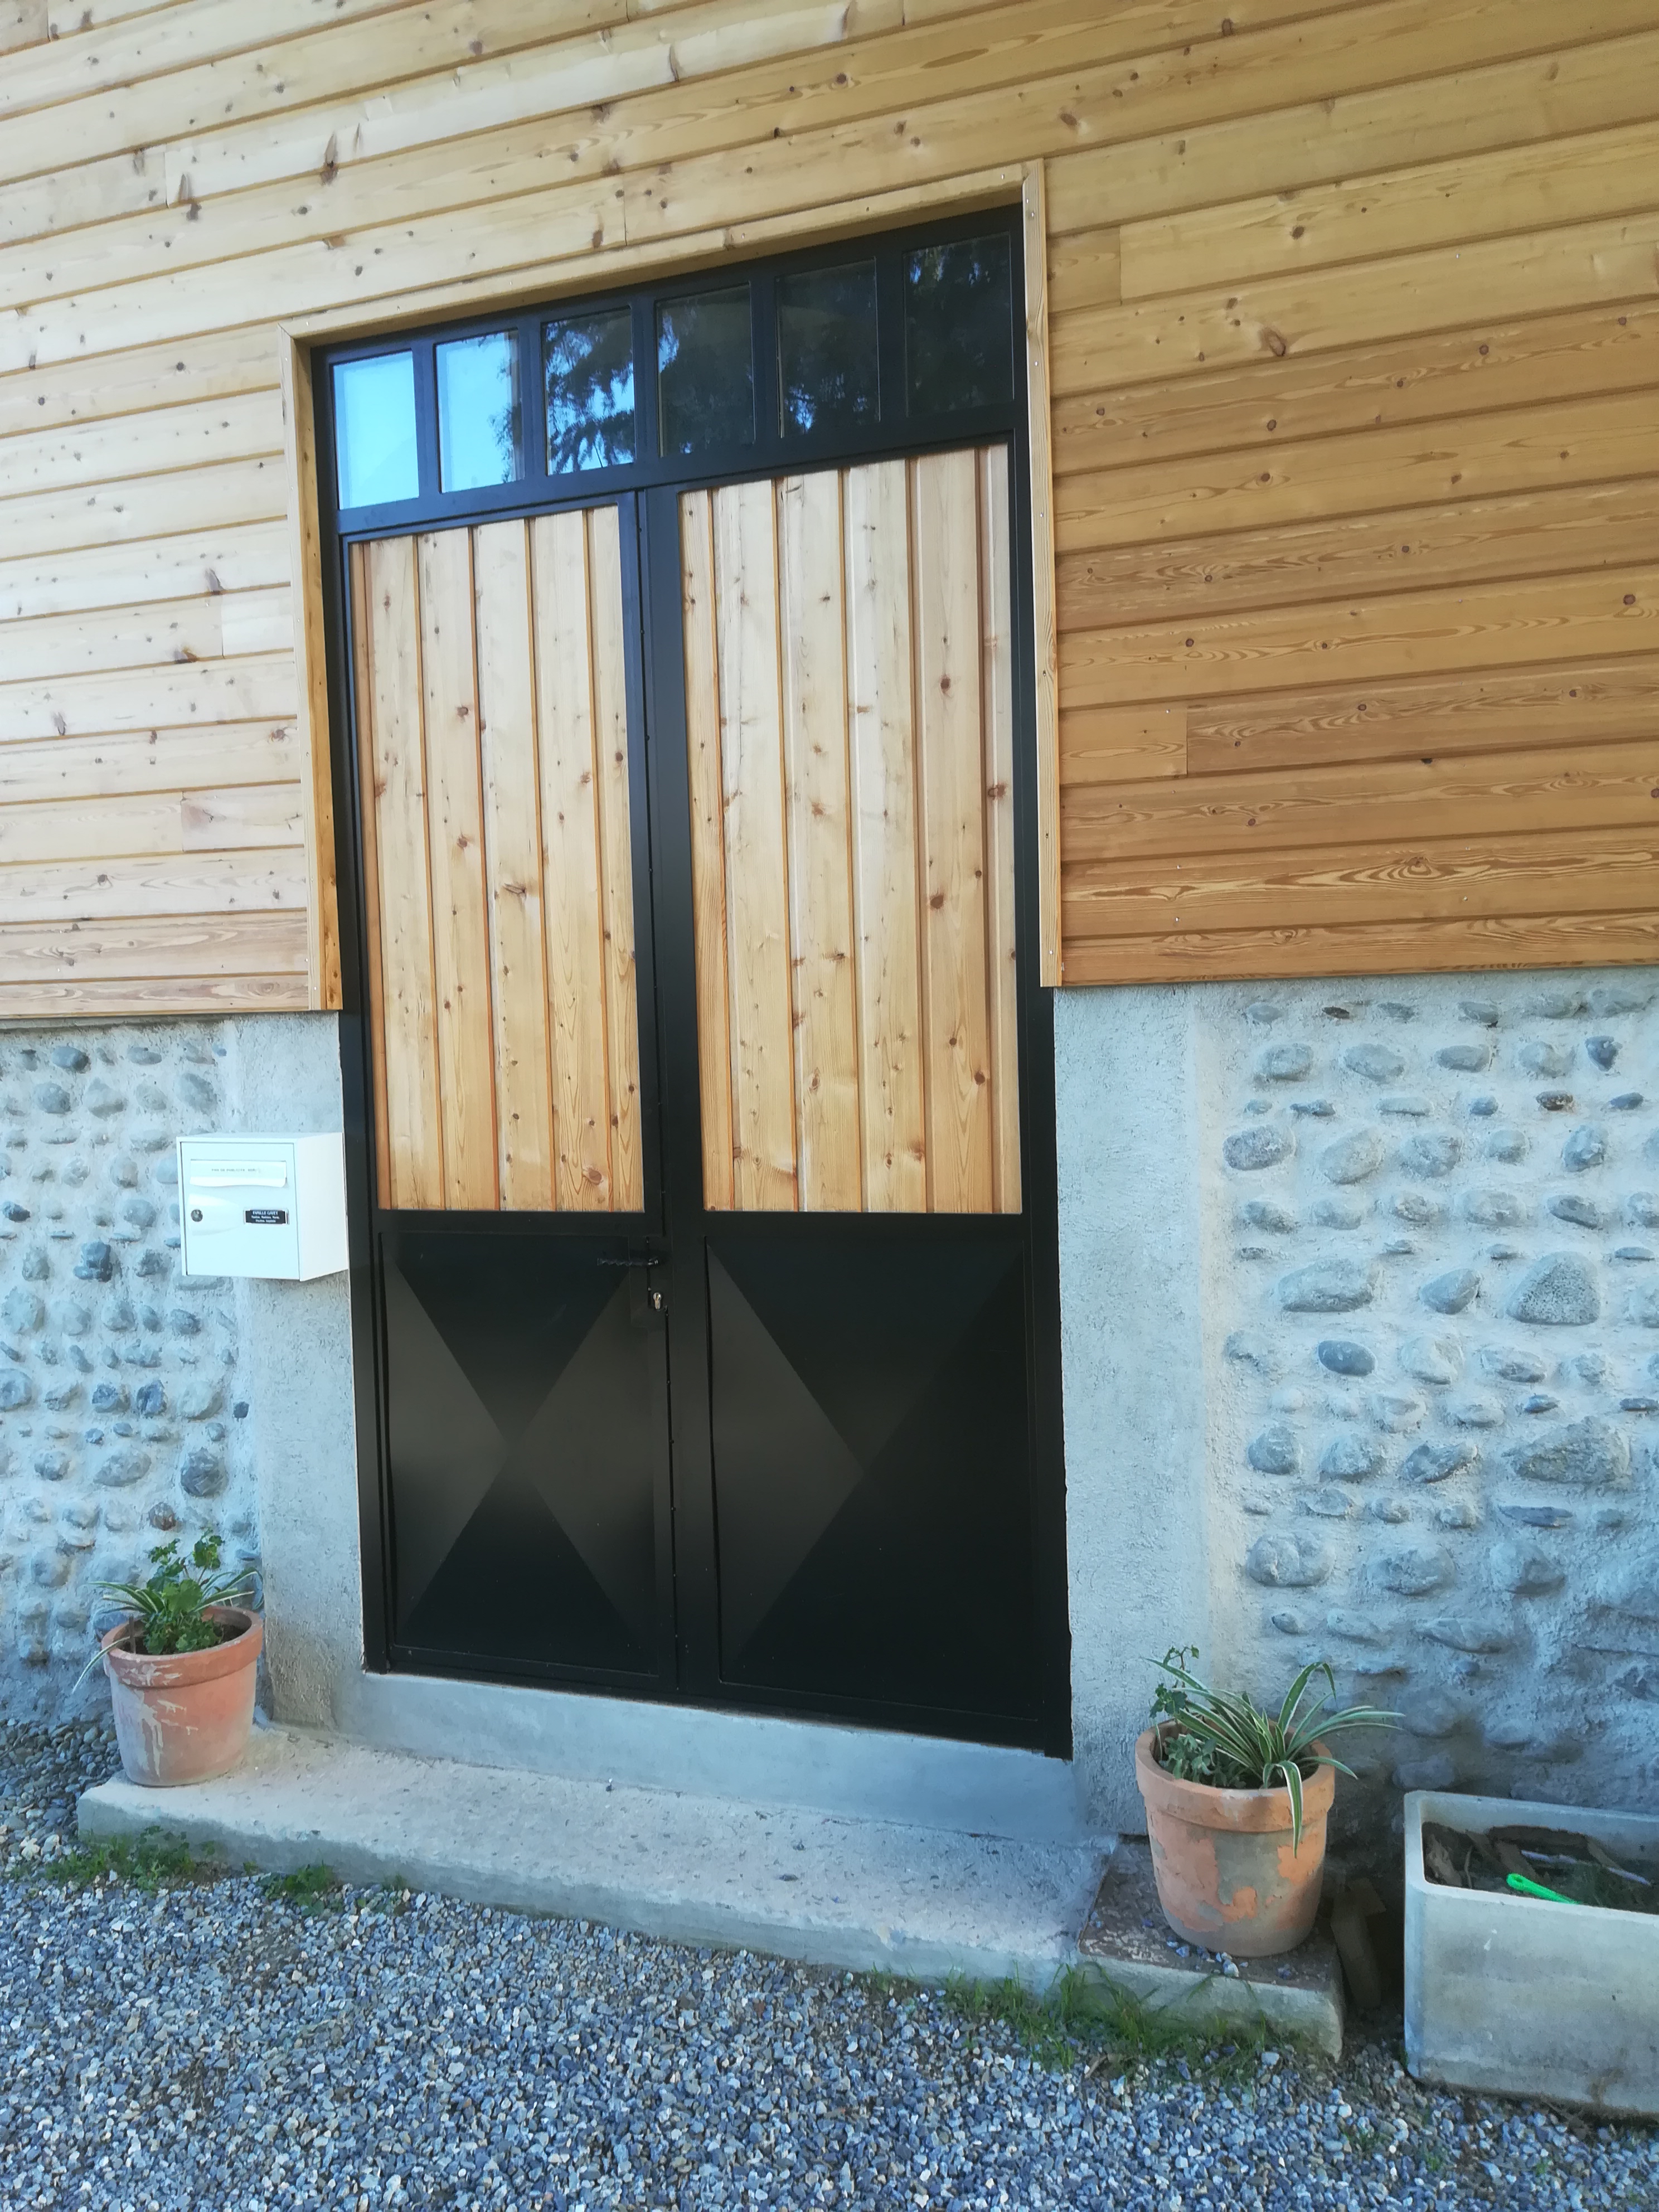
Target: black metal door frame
[(646, 495)]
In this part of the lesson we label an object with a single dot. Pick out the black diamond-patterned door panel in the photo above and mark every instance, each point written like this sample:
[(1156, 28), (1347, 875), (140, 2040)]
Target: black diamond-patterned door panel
[(527, 1410), (871, 1454)]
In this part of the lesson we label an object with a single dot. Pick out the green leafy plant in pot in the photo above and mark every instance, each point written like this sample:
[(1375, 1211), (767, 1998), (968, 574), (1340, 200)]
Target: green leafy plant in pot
[(1236, 1798), (181, 1663)]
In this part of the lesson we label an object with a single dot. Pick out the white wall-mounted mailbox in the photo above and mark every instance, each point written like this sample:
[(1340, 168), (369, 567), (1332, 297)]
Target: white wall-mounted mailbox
[(262, 1205)]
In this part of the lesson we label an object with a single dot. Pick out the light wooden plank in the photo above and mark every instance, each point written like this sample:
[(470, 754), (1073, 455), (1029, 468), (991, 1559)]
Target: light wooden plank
[(1439, 98), (307, 626), (1560, 787), (218, 367), (257, 690), (169, 631), (1121, 745), (703, 739), (245, 815), (189, 884), (409, 1029), (150, 760), (1084, 270), (23, 24), (170, 952), (1406, 947), (1171, 90), (756, 868), (1519, 449), (1045, 635), (369, 807), (1521, 188), (997, 708), (1462, 542), (1406, 634), (1444, 289), (1360, 389), (99, 190), (131, 511), (1487, 710), (611, 755), (158, 441), (950, 748), (454, 823), (73, 1000), (156, 823), (1587, 870), (249, 558), (812, 583), (513, 867), (571, 877), (882, 757)]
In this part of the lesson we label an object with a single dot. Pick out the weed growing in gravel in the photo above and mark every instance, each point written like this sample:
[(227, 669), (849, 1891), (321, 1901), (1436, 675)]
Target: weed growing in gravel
[(149, 1862), (1085, 2018), (310, 1889)]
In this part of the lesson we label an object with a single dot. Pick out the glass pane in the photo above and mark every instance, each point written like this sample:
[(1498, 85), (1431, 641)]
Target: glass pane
[(478, 413), (589, 368), (827, 348), (958, 320), (375, 430), (705, 372)]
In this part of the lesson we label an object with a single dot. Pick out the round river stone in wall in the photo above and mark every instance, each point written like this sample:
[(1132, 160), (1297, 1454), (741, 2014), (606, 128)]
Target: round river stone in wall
[(1288, 1562), (1343, 1357), (1587, 1454), (1351, 1158), (1257, 1148), (1557, 1292), (1327, 1286)]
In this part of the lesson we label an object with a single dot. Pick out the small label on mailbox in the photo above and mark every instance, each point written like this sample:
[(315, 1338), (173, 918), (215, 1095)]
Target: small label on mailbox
[(265, 1217)]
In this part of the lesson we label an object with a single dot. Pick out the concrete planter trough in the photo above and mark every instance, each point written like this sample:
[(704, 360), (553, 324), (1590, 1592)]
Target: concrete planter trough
[(1524, 1997)]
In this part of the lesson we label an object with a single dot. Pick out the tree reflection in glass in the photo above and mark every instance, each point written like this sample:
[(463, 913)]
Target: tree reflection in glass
[(479, 412), (958, 325), (587, 364), (705, 372), (827, 358)]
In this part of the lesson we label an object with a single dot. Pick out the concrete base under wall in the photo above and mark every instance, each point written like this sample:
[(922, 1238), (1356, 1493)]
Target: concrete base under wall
[(822, 1888)]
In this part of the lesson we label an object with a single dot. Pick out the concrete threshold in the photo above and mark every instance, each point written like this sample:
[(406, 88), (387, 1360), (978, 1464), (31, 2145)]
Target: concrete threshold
[(829, 1889)]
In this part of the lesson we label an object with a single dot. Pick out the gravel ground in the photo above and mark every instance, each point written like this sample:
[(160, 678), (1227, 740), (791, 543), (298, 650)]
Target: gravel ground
[(210, 2044)]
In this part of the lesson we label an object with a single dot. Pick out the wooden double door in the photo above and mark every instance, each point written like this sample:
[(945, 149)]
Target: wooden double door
[(713, 1314)]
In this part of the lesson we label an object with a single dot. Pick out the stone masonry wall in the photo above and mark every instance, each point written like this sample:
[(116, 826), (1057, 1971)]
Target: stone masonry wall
[(1433, 1354), (122, 1418)]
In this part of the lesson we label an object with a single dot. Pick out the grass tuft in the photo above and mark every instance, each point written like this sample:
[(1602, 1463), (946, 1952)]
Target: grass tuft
[(1087, 2019), (309, 1889), (150, 1862)]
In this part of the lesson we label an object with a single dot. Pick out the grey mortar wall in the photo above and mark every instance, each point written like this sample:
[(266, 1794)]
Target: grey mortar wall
[(130, 1405), (1426, 1364)]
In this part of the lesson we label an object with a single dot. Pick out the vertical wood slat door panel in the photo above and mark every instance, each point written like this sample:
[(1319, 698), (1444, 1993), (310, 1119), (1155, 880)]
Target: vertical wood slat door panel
[(460, 934), (400, 886), (492, 709), (507, 744), (756, 870), (948, 646), (811, 590), (850, 731), (570, 862), (882, 748)]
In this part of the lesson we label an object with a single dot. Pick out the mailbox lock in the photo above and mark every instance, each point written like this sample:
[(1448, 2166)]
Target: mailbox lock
[(196, 1213)]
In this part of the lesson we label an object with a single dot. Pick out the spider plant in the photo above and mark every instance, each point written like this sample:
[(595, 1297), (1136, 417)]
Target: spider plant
[(1224, 1738), (171, 1607)]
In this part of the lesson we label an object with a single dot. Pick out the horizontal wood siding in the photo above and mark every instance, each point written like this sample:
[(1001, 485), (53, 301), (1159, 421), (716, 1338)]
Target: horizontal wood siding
[(1352, 321), (496, 852), (849, 710)]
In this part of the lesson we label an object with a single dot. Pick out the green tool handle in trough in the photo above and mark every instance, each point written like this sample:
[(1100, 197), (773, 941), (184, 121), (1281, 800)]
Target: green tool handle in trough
[(1529, 1888)]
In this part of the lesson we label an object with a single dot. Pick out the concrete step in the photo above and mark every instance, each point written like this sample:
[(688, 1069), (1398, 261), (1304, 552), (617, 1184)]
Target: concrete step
[(826, 1888)]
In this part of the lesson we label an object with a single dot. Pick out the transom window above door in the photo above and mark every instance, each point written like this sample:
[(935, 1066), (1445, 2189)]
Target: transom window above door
[(900, 341)]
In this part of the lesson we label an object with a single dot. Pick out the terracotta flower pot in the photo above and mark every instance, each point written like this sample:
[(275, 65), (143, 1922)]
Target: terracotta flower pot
[(1227, 1876), (184, 1717)]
